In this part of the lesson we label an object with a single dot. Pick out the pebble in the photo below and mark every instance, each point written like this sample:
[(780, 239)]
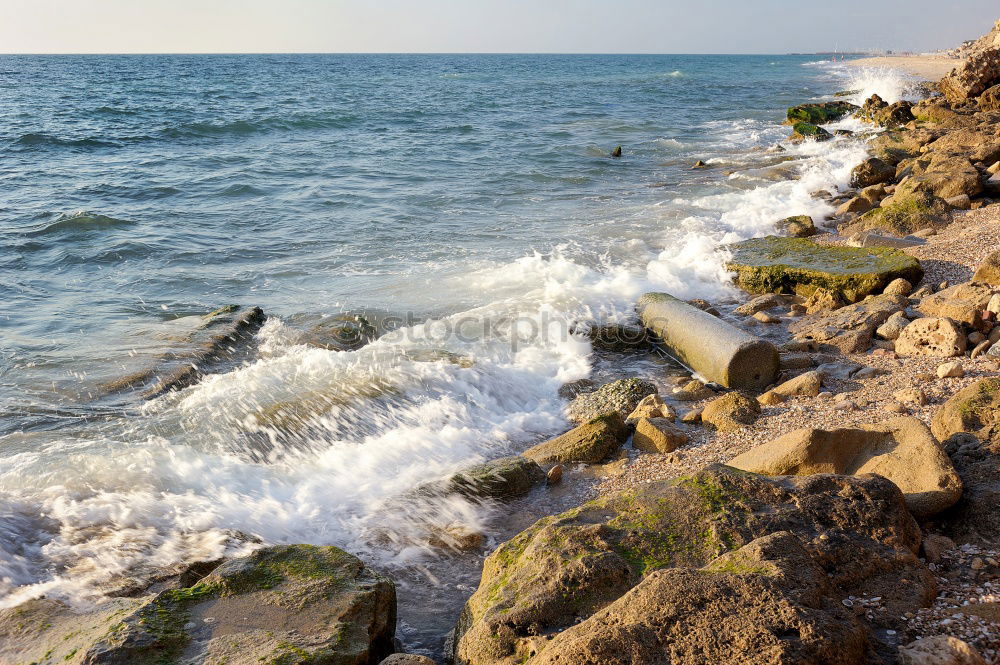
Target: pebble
[(951, 369)]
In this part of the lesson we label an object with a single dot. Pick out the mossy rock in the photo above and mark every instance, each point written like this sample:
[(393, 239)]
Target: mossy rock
[(902, 215), (818, 114), (291, 604), (504, 478), (969, 410), (796, 265), (802, 131), (799, 226), (565, 568)]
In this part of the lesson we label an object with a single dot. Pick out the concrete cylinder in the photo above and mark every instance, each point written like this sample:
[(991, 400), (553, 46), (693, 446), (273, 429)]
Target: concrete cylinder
[(706, 344)]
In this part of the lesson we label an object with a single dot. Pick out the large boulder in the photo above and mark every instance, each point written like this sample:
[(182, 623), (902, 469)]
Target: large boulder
[(590, 443), (849, 328), (872, 171), (287, 604), (800, 266), (973, 144), (568, 575), (979, 72), (895, 146), (902, 450), (820, 113), (944, 176), (879, 112), (939, 650), (969, 410), (621, 396), (737, 609), (931, 336)]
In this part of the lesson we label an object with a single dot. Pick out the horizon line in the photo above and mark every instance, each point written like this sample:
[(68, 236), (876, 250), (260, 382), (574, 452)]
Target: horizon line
[(37, 53)]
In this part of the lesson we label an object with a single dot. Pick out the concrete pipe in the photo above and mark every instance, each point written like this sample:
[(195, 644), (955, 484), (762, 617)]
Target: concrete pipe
[(706, 344)]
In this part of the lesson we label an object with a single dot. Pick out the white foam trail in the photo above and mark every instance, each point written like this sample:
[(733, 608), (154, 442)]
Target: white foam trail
[(891, 85)]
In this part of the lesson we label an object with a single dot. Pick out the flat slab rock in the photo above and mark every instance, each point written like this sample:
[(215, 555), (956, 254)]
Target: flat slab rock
[(797, 265)]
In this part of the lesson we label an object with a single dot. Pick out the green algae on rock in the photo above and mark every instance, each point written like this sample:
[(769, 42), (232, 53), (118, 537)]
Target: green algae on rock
[(799, 226), (299, 604), (796, 265), (590, 443), (820, 113), (904, 213), (569, 567), (805, 130)]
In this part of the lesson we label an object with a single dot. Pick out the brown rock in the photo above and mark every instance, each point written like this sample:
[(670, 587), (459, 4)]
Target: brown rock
[(939, 650), (935, 544), (849, 328), (731, 412), (872, 171), (961, 303), (989, 270), (824, 300), (591, 442), (651, 406), (760, 303), (902, 450), (620, 397), (855, 205), (931, 336), (770, 398), (804, 385), (898, 287), (973, 77), (969, 410), (407, 659), (657, 435)]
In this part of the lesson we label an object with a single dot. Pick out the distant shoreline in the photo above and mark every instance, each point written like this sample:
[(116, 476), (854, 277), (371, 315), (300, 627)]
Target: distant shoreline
[(930, 67)]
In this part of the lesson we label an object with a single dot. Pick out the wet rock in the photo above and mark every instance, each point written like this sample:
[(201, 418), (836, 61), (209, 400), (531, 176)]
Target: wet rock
[(699, 165), (704, 306), (554, 475), (573, 388), (559, 590), (619, 338), (344, 332), (505, 478), (651, 406), (795, 265), (731, 412), (621, 397), (902, 450), (896, 146), (804, 131), (764, 317), (590, 443), (849, 328), (939, 650), (968, 410), (760, 304), (872, 171), (820, 113), (616, 153), (290, 603), (657, 435), (931, 336), (799, 226)]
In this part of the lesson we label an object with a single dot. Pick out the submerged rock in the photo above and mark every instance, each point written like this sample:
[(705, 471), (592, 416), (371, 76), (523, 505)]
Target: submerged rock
[(504, 478), (796, 265), (902, 450), (635, 577), (290, 603)]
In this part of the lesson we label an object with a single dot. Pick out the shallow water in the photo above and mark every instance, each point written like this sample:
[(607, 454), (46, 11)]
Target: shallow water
[(471, 199)]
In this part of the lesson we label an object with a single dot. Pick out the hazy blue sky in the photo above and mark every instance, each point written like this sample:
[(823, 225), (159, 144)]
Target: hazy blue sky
[(564, 26)]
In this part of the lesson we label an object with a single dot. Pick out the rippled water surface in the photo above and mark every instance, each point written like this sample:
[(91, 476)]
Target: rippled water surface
[(456, 194)]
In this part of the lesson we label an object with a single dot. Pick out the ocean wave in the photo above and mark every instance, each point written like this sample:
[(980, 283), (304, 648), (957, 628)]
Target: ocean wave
[(35, 140), (79, 221), (301, 121)]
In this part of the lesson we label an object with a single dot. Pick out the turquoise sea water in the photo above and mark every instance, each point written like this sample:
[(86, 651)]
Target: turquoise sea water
[(463, 192)]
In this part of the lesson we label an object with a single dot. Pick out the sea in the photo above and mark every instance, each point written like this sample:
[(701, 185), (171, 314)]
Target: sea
[(471, 200)]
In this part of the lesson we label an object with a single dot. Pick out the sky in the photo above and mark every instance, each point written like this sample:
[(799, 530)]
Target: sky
[(487, 26)]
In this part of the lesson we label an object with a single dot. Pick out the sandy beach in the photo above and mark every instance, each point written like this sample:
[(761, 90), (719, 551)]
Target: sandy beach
[(930, 67)]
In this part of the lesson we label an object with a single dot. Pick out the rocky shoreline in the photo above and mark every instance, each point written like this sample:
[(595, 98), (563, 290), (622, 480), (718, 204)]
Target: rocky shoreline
[(821, 489)]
